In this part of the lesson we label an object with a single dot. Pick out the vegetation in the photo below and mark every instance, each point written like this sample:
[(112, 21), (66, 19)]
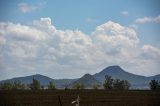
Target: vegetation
[(121, 84), (66, 87), (96, 86), (108, 84), (115, 84), (51, 86), (10, 96), (154, 85), (87, 98), (16, 85), (35, 85), (78, 86)]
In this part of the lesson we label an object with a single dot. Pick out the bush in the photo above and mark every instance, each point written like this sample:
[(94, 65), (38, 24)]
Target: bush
[(154, 85), (115, 84), (51, 86), (35, 85), (108, 84), (78, 86), (96, 86), (16, 85)]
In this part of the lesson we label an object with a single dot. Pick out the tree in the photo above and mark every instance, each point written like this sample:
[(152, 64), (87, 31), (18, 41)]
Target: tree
[(42, 87), (6, 86), (78, 86), (154, 84), (66, 87), (16, 85), (35, 85), (115, 84), (108, 84), (96, 86), (121, 84), (126, 84), (51, 86)]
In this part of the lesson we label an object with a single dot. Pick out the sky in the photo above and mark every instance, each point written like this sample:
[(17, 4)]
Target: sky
[(68, 38)]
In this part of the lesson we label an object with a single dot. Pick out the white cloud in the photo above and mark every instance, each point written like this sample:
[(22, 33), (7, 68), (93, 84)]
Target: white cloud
[(134, 26), (148, 19), (144, 20), (65, 53), (151, 51), (25, 8), (90, 20), (157, 19), (115, 34), (125, 13)]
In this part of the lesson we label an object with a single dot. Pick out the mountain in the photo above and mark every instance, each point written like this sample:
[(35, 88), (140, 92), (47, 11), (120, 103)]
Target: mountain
[(87, 80), (156, 77), (44, 80), (137, 81), (117, 72), (28, 79), (61, 83)]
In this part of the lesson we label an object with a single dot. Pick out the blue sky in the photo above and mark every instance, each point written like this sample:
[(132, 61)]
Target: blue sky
[(75, 14), (69, 34)]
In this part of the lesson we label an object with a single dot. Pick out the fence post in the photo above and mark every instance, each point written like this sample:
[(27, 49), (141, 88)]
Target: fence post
[(59, 100)]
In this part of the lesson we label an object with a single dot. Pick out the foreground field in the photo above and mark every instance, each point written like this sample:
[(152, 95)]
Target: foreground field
[(87, 98)]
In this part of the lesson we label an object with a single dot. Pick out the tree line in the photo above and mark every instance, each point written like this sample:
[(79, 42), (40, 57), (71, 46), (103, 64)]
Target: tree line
[(17, 85), (154, 84), (115, 84), (109, 84)]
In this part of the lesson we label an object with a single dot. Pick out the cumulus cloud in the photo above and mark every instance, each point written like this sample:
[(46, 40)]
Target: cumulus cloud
[(115, 34), (124, 13), (25, 8), (148, 19), (67, 53)]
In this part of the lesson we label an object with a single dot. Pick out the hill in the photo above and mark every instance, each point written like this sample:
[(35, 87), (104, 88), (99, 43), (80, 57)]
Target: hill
[(117, 72), (87, 80), (137, 81), (44, 80)]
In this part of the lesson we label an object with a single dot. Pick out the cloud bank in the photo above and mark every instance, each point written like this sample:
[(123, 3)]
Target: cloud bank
[(41, 48)]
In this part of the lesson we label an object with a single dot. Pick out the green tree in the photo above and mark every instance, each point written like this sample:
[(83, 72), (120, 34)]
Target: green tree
[(154, 85), (66, 87), (6, 86), (121, 84), (126, 84), (35, 85), (51, 86), (78, 86), (115, 84), (42, 87), (96, 86), (18, 85), (108, 84)]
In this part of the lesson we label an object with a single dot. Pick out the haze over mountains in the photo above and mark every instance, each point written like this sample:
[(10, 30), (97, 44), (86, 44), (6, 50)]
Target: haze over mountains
[(137, 81)]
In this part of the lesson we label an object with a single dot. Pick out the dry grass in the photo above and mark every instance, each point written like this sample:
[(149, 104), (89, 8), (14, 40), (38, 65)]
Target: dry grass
[(87, 98)]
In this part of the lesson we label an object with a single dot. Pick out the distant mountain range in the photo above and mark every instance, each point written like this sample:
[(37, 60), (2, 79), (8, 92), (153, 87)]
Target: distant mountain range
[(137, 81), (87, 80)]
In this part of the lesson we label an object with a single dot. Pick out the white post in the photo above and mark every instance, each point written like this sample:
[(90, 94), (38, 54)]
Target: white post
[(76, 101)]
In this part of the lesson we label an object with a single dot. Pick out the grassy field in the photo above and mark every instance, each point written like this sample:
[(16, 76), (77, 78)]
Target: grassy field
[(87, 98)]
